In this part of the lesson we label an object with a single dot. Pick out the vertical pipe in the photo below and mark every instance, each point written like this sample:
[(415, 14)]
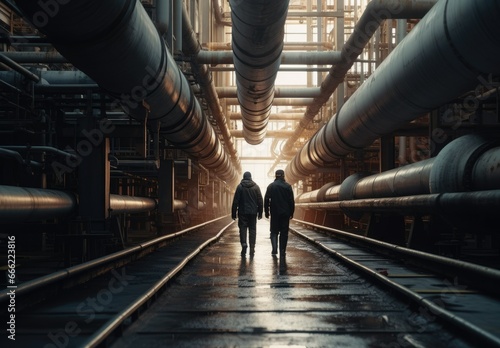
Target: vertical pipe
[(178, 5)]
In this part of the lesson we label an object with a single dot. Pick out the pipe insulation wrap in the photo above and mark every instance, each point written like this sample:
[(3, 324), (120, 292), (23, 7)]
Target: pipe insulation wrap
[(257, 42), (428, 68), (460, 165), (29, 204), (468, 163), (130, 204)]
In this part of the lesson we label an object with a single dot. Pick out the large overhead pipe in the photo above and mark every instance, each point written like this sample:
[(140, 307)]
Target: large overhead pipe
[(441, 58), (375, 13), (301, 58), (307, 92), (31, 204), (191, 46), (257, 42), (117, 45)]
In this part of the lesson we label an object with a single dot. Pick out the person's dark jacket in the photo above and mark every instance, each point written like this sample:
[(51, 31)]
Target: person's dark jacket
[(279, 199), (247, 199)]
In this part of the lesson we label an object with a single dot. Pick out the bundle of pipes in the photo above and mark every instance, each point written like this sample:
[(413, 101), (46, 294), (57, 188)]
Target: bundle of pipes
[(20, 204), (440, 59), (257, 42), (117, 45)]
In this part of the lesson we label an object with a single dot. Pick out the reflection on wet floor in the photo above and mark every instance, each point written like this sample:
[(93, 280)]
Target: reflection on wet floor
[(304, 299)]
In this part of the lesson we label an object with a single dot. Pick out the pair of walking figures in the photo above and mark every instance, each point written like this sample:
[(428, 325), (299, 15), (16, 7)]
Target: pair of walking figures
[(278, 205)]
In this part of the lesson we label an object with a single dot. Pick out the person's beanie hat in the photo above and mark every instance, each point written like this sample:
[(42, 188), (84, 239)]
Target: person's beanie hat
[(280, 173), (247, 175)]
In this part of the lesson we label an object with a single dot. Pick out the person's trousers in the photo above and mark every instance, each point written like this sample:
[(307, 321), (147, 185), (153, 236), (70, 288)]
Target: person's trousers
[(279, 226), (247, 222)]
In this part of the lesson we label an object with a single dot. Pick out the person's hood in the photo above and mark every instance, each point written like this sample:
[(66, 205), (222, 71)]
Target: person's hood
[(247, 183)]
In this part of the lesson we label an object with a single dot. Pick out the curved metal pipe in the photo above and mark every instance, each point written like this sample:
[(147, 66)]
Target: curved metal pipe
[(17, 156), (117, 45), (29, 204), (440, 59), (191, 46), (376, 11), (257, 42), (217, 9)]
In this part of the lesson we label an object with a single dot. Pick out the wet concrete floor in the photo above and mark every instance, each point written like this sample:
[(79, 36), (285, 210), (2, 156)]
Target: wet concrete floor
[(304, 299)]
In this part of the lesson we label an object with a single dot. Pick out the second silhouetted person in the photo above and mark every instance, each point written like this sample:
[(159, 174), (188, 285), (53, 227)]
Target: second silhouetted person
[(279, 202)]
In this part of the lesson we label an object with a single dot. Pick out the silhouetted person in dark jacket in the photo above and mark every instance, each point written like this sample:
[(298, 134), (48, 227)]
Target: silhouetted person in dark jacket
[(247, 202), (280, 203)]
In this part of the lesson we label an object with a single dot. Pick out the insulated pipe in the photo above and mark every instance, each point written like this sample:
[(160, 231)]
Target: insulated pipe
[(217, 9), (453, 204), (18, 68), (54, 77), (53, 80), (17, 156), (117, 45), (299, 58), (257, 42), (191, 46), (30, 204), (290, 46), (36, 57), (412, 179), (440, 59), (376, 11), (308, 92), (469, 163), (282, 116), (163, 13), (238, 133), (279, 101), (130, 204)]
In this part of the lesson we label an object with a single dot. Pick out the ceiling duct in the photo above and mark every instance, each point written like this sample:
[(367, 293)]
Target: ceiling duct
[(257, 43)]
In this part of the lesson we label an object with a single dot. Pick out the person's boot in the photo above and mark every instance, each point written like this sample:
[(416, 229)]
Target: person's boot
[(252, 250), (283, 243), (243, 249), (274, 244)]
